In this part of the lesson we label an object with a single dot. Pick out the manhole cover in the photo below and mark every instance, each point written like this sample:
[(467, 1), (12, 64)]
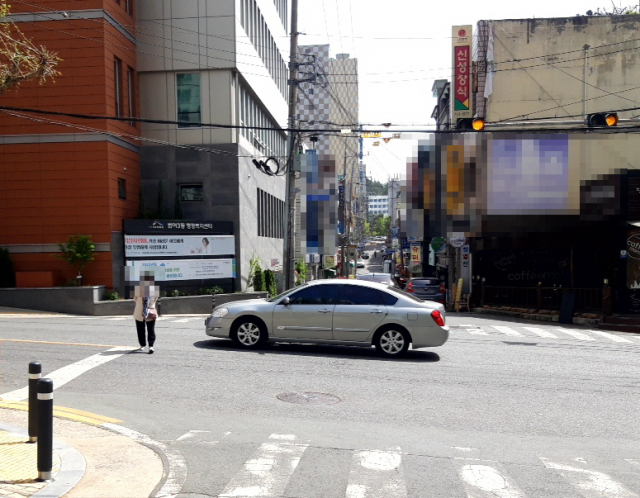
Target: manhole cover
[(309, 398)]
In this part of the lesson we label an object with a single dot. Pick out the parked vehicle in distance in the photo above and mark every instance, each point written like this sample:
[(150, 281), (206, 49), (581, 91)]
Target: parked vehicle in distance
[(381, 278), (427, 288), (341, 312), (365, 255), (360, 263)]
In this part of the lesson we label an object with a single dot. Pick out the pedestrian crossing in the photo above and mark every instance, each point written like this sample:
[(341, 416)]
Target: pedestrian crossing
[(269, 470), (551, 332)]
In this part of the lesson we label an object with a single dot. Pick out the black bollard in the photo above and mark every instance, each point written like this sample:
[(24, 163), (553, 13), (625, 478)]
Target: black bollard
[(45, 429), (35, 372)]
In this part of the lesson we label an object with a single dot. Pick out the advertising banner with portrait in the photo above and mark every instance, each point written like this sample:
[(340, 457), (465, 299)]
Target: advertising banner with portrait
[(153, 246)]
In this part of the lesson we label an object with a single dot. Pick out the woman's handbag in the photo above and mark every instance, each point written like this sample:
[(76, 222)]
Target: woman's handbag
[(152, 314)]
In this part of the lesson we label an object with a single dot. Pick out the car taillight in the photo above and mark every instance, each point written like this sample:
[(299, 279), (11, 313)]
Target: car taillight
[(437, 317), (409, 287), (442, 289)]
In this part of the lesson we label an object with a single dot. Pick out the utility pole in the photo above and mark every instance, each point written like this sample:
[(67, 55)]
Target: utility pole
[(291, 174)]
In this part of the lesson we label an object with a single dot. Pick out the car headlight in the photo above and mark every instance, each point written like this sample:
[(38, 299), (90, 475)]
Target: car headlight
[(220, 312)]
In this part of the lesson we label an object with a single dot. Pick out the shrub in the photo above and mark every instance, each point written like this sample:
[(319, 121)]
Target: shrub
[(258, 280), (110, 296), (210, 290), (270, 282), (7, 273), (302, 272), (175, 293)]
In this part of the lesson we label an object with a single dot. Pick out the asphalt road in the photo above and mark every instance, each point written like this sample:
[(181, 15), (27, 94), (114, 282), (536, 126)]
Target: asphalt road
[(505, 409)]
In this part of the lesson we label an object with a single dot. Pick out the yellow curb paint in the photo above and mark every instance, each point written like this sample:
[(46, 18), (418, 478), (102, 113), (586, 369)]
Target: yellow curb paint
[(64, 412), (65, 343)]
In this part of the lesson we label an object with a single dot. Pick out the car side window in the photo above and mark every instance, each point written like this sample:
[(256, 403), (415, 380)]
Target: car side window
[(356, 295), (315, 294)]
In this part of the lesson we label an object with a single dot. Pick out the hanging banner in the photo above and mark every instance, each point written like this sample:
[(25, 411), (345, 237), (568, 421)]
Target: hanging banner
[(462, 106), (191, 269), (137, 246)]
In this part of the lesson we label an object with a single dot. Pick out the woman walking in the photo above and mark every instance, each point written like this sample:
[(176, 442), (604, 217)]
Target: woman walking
[(145, 313)]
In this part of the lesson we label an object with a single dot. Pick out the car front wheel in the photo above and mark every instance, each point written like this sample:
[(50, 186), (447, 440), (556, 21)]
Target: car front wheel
[(392, 343), (249, 334)]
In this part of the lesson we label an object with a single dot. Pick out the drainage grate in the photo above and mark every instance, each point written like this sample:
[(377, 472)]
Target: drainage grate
[(512, 343), (309, 398)]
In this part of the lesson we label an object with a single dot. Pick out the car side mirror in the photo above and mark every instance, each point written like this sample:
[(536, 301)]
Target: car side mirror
[(285, 301)]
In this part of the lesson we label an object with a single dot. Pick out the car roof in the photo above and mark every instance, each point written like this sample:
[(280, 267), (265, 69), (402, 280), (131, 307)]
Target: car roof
[(341, 281)]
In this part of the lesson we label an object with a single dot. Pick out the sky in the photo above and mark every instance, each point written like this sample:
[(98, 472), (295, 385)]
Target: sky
[(402, 47)]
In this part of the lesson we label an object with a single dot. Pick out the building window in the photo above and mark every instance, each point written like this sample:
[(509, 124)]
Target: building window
[(128, 6), (270, 215), (130, 92), (189, 100), (122, 189), (191, 193), (117, 79)]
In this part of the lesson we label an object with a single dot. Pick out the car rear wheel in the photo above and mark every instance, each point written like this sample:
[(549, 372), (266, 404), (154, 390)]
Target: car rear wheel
[(249, 334), (392, 343)]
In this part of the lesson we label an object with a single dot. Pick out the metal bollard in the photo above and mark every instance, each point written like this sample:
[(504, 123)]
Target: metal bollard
[(45, 429), (35, 372)]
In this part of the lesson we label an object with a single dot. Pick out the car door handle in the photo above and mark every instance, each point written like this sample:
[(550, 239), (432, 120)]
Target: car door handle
[(376, 311), (324, 311)]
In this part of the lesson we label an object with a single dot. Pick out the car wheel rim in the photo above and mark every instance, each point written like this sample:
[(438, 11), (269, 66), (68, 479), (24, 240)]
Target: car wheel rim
[(248, 334), (392, 342)]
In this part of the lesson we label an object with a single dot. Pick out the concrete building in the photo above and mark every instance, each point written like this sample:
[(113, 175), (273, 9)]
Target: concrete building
[(328, 95), (62, 176), (378, 204), (217, 66), (559, 207)]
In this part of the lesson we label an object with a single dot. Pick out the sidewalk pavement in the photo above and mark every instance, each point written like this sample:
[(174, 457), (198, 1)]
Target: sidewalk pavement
[(89, 461)]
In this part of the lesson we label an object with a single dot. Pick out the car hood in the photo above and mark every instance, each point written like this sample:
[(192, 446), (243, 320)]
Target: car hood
[(244, 303)]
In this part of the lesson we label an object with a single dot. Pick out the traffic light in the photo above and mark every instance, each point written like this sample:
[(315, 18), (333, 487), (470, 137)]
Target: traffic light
[(470, 124), (602, 119)]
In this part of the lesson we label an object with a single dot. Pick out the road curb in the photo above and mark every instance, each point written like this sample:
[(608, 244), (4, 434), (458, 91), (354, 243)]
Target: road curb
[(72, 466)]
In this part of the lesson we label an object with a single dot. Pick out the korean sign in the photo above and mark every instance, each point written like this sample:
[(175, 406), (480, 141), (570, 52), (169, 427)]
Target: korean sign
[(462, 105), (416, 249), (136, 246), (192, 269)]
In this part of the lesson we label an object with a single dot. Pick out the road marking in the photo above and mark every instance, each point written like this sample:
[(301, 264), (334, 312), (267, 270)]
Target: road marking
[(591, 483), (184, 320), (576, 334), (177, 472), (118, 318), (268, 472), (376, 474), (613, 337), (483, 481), (65, 374), (62, 343), (477, 332), (632, 461), (64, 412), (507, 331), (541, 332)]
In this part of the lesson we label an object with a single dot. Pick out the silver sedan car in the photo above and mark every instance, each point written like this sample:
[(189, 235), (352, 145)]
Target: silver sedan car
[(343, 312)]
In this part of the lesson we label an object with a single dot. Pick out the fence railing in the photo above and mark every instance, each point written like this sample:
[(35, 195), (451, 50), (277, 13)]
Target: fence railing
[(549, 298)]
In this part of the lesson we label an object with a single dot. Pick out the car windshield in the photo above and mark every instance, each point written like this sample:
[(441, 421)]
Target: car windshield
[(279, 296)]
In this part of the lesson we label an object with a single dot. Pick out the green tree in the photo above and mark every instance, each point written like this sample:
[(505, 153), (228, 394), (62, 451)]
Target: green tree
[(7, 272), (375, 187), (79, 251), (258, 280), (20, 59), (254, 268)]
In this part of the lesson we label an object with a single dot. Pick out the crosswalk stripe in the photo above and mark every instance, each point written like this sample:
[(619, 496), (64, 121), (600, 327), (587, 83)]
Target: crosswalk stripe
[(507, 331), (118, 318), (591, 483), (477, 331), (633, 461), (183, 320), (269, 470), (541, 332), (483, 481), (576, 334), (613, 337), (376, 474)]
